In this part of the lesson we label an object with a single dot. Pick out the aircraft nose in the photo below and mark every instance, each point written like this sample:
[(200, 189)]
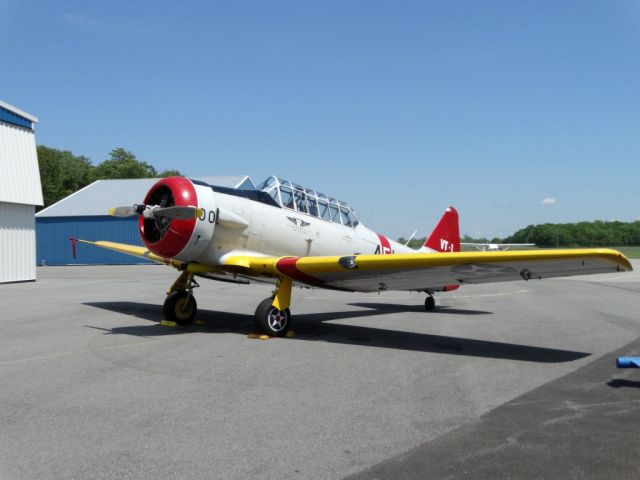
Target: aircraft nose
[(167, 237)]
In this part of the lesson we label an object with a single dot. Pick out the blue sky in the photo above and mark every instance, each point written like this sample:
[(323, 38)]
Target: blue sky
[(515, 112)]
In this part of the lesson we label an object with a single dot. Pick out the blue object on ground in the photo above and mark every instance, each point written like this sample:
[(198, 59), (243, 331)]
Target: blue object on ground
[(628, 362)]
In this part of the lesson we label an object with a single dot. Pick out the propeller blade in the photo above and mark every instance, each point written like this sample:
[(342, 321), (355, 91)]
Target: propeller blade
[(124, 211), (148, 212), (180, 213)]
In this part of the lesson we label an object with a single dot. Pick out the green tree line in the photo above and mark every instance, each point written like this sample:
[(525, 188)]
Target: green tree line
[(583, 234), (62, 172)]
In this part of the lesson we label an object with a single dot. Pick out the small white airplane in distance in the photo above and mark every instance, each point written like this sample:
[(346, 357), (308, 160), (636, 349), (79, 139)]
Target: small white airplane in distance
[(283, 233), (494, 247)]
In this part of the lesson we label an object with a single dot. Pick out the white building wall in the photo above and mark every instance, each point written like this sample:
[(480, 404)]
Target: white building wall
[(20, 192), (19, 174), (17, 242)]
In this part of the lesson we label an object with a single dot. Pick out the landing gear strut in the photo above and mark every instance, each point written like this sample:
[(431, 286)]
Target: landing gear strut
[(273, 315), (429, 303), (180, 305)]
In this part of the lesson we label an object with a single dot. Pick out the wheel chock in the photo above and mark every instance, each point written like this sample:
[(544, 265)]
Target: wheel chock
[(262, 336), (258, 336), (168, 323), (628, 362)]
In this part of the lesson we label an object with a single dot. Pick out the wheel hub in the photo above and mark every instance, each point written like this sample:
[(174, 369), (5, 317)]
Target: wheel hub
[(277, 320)]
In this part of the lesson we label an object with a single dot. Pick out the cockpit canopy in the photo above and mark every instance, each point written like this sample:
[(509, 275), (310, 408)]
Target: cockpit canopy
[(304, 200)]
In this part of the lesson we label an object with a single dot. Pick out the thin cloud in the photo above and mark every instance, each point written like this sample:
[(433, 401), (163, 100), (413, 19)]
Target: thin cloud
[(548, 201)]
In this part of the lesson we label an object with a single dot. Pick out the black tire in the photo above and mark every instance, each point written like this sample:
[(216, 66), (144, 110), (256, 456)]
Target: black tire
[(180, 307), (273, 322), (429, 303)]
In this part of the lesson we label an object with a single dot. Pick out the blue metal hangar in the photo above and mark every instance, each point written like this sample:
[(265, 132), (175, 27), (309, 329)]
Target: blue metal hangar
[(83, 214), (20, 192)]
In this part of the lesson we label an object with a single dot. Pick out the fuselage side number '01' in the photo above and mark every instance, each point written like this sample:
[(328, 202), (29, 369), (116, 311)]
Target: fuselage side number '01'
[(209, 216)]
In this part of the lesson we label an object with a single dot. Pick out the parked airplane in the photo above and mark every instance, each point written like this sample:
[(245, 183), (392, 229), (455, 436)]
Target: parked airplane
[(283, 233), (494, 247)]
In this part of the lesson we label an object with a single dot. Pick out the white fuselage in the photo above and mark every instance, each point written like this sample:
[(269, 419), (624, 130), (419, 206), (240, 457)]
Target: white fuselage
[(244, 226)]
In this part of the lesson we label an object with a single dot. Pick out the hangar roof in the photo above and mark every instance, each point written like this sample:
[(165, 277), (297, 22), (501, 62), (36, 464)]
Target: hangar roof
[(15, 116), (97, 198), (20, 176)]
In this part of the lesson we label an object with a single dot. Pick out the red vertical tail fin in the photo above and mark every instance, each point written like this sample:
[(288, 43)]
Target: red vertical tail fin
[(446, 236)]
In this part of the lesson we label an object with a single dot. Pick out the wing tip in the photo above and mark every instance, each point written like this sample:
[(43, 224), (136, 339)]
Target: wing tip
[(619, 258)]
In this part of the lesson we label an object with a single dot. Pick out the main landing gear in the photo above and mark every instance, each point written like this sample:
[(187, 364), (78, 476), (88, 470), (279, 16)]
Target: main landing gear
[(180, 305), (272, 315)]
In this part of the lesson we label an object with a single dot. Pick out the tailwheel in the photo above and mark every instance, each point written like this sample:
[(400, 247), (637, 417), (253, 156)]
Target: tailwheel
[(180, 307), (429, 303), (273, 322)]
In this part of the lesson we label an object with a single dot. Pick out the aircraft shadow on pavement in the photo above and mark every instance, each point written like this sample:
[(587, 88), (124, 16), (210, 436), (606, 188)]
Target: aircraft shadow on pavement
[(213, 321), (317, 327), (392, 307), (621, 382)]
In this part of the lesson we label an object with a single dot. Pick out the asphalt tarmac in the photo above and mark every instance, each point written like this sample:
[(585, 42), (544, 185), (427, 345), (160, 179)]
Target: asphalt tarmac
[(512, 380)]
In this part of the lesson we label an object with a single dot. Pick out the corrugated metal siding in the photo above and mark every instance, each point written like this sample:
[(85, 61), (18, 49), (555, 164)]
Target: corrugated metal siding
[(19, 174), (54, 247), (17, 243)]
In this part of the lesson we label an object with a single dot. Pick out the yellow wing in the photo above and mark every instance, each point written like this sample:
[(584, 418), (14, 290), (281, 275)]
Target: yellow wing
[(431, 271), (409, 271), (133, 250), (142, 252)]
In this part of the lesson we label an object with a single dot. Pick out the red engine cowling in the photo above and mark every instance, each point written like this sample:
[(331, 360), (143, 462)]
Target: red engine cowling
[(184, 239)]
